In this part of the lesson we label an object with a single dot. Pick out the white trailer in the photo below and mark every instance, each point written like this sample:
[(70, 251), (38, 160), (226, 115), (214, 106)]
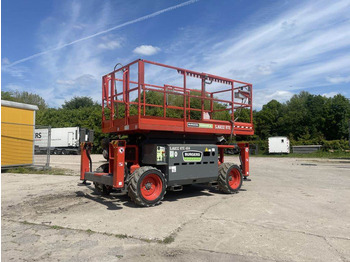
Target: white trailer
[(279, 144), (63, 141)]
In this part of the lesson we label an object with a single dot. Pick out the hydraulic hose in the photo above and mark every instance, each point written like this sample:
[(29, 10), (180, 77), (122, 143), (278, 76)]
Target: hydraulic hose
[(116, 66)]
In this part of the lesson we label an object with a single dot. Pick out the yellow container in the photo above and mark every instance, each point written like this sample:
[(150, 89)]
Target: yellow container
[(17, 133)]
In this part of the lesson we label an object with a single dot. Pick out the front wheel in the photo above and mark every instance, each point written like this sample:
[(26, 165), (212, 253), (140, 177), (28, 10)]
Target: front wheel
[(147, 186), (230, 178)]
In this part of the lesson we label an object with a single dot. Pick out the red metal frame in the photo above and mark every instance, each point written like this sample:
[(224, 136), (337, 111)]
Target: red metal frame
[(141, 122), (117, 162), (244, 158), (85, 149)]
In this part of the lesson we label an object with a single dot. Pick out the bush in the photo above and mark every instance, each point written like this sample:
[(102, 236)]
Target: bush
[(327, 145)]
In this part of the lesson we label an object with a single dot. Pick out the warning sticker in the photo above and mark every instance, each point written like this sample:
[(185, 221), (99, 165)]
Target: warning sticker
[(199, 125), (172, 169)]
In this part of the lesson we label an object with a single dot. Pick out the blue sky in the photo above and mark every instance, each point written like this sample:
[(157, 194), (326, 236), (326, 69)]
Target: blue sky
[(60, 49)]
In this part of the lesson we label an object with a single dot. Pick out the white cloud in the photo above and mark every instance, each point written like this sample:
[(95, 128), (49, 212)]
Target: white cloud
[(263, 96), (77, 70), (14, 87), (330, 94), (338, 79), (17, 72), (65, 82), (146, 50), (5, 61), (293, 51), (76, 10), (108, 43)]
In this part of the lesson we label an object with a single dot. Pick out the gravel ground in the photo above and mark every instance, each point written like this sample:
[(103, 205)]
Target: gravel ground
[(292, 210)]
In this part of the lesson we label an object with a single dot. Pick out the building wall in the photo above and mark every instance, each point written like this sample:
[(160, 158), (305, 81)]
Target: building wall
[(17, 130)]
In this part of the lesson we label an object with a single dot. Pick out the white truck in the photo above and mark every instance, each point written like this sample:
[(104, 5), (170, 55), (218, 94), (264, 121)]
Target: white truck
[(64, 140), (279, 144)]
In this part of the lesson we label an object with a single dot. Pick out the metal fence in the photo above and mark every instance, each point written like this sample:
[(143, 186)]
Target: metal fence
[(22, 145)]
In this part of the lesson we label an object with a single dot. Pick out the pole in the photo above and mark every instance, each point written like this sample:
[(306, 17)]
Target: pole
[(47, 166)]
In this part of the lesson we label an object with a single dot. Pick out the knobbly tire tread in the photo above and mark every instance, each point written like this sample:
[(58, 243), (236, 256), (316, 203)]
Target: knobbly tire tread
[(222, 183), (132, 186)]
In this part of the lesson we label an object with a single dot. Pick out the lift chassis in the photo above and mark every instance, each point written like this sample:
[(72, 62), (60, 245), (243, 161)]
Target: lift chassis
[(160, 152)]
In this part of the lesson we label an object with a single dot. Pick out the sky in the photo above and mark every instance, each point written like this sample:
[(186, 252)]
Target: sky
[(59, 49)]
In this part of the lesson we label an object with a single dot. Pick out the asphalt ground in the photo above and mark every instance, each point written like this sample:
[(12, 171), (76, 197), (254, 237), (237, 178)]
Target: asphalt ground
[(292, 210)]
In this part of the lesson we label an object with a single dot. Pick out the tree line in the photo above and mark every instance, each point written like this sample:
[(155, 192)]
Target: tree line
[(303, 118)]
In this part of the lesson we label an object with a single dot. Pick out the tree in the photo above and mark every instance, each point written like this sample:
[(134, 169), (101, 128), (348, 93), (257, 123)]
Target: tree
[(24, 97), (337, 116), (269, 120), (79, 102)]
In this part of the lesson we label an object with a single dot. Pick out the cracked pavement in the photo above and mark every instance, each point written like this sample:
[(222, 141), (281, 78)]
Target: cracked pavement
[(290, 211)]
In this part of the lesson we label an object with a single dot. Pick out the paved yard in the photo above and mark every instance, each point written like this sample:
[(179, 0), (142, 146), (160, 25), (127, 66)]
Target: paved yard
[(292, 210)]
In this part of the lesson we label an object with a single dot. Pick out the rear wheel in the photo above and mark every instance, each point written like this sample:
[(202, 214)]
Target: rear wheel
[(103, 189), (100, 188), (147, 186), (230, 178), (103, 168)]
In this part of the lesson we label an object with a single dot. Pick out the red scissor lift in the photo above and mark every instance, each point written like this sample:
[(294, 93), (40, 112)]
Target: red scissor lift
[(174, 131)]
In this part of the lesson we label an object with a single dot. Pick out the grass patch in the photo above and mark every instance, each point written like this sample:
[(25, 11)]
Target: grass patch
[(89, 231), (56, 227), (121, 236), (317, 154), (32, 170), (168, 240)]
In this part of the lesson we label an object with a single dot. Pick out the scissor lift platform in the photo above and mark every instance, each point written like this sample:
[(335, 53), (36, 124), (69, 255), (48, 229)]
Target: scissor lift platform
[(173, 118), (126, 107)]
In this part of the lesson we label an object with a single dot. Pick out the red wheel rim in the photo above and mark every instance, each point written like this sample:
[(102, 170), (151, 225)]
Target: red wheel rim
[(151, 187), (234, 178)]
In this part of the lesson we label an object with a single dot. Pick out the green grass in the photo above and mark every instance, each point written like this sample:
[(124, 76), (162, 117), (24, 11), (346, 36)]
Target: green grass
[(89, 231), (168, 239), (317, 154), (56, 227), (31, 170), (121, 236)]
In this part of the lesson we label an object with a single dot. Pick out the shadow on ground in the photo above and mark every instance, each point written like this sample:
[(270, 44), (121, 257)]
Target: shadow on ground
[(115, 200)]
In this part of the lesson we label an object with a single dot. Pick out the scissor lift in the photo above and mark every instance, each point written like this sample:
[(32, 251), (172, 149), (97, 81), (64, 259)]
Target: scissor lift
[(171, 134)]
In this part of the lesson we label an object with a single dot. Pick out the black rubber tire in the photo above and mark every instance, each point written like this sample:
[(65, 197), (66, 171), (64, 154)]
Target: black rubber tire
[(106, 190), (103, 168), (134, 186), (223, 178), (63, 152), (103, 189), (55, 152), (98, 187), (105, 154)]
